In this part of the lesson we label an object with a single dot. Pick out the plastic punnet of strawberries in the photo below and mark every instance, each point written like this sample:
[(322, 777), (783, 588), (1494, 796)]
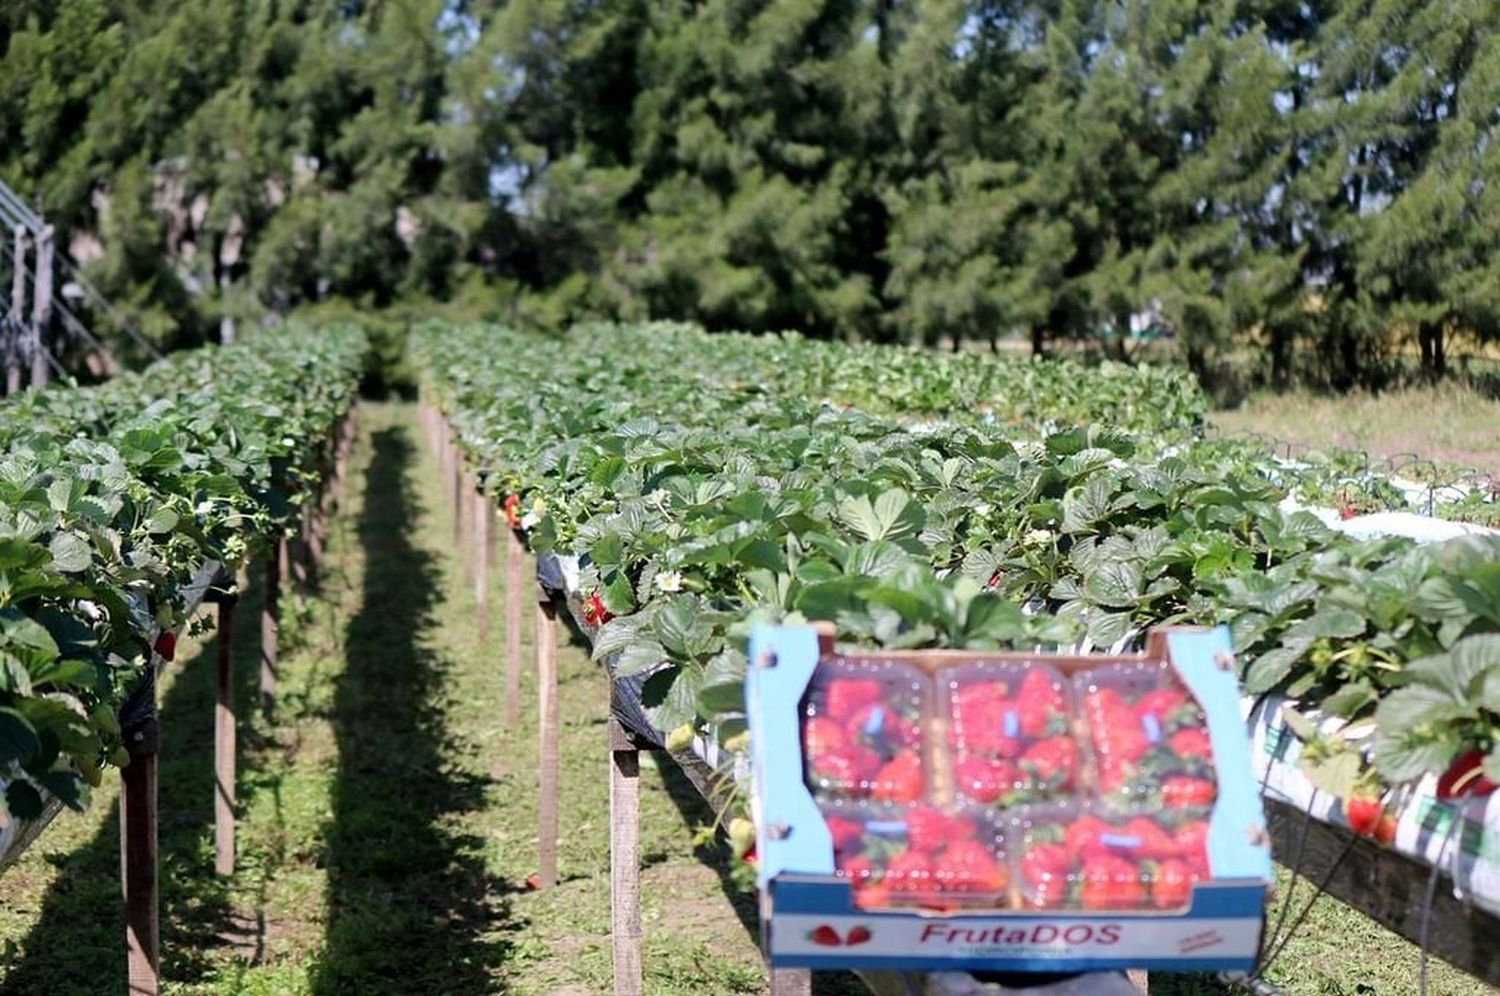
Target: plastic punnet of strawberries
[(1150, 742), (920, 857), (1010, 737), (862, 733), (1074, 859)]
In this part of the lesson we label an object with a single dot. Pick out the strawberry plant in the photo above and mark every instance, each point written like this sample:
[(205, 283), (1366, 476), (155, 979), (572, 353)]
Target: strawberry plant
[(111, 498)]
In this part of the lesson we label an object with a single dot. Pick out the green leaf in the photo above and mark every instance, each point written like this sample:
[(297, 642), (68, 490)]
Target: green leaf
[(642, 655), (69, 553), (71, 790), (670, 697), (23, 800), (1114, 583), (892, 515), (1335, 775), (18, 738), (1270, 669)]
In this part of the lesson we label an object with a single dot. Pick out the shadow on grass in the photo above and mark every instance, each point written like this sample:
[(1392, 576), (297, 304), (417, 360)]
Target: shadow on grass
[(78, 942), (409, 902)]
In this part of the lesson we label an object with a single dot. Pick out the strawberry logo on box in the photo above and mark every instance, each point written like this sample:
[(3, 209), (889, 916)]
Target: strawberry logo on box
[(828, 936)]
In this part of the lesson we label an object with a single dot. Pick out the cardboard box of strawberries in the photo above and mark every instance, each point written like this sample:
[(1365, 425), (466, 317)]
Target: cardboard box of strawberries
[(1005, 812)]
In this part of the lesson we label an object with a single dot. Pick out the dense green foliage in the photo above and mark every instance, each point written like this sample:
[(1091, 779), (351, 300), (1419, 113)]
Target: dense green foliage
[(112, 499), (1311, 183), (709, 482)]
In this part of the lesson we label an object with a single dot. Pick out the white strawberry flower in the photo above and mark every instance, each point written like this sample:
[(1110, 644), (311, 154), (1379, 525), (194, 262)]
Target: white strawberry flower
[(1037, 537), (669, 581)]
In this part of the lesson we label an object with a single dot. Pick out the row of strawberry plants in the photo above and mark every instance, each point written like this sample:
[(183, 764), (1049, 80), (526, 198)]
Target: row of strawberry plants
[(111, 498), (708, 491)]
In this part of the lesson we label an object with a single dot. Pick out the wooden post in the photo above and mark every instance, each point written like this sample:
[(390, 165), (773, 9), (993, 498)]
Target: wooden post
[(484, 517), (224, 743), (17, 310), (457, 483), (41, 308), (547, 734), (514, 557), (141, 732), (625, 859), (138, 856), (270, 623)]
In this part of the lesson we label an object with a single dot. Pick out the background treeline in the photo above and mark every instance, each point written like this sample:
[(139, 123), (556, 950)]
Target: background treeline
[(1312, 185)]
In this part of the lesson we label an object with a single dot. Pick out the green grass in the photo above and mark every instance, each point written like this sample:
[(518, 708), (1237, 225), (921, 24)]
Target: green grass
[(1448, 422), (388, 815)]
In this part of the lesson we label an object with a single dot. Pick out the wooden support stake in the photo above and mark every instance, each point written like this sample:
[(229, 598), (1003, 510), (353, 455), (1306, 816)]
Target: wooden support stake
[(13, 376), (270, 623), (456, 479), (138, 860), (224, 744), (547, 736), (514, 564), (625, 860), (41, 308), (484, 516)]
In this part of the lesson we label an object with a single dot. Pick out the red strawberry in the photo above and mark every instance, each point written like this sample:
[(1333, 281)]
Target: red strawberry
[(1156, 844), (982, 779), (1051, 760), (910, 872), (826, 936), (968, 866), (1126, 743), (1083, 838), (1182, 792), (594, 612), (1173, 887), (859, 869), (1385, 830), (872, 896), (1045, 866), (858, 935), (512, 511), (850, 766), (846, 834), (1363, 815), (1465, 777), (900, 780), (929, 830), (166, 645), (1192, 839), (843, 697), (1112, 883), (1161, 703), (1192, 744), (820, 735), (1041, 705)]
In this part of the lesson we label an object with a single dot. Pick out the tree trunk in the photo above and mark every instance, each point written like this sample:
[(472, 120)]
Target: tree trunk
[(1038, 341), (1439, 355), (1281, 357)]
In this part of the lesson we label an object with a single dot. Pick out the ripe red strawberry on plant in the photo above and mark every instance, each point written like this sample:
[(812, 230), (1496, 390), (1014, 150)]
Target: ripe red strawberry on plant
[(513, 511), (594, 612), (1363, 814), (1465, 777), (900, 780)]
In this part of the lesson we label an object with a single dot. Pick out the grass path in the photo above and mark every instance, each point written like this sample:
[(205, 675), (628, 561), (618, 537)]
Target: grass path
[(387, 817)]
